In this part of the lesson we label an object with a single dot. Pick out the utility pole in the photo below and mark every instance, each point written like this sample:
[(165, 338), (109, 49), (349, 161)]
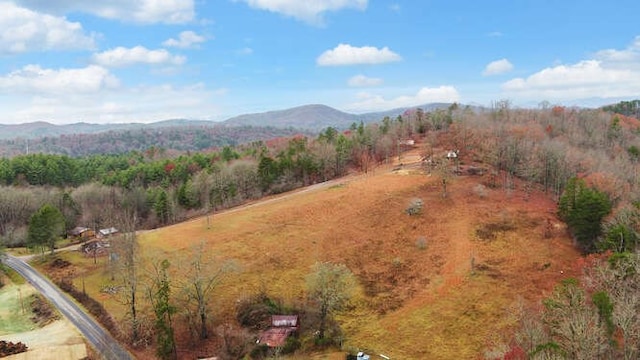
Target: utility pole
[(21, 300)]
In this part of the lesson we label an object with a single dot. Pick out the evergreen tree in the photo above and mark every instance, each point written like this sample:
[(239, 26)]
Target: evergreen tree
[(45, 227), (161, 207), (159, 295), (583, 209)]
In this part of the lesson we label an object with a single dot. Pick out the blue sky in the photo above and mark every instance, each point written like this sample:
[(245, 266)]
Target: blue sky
[(66, 61)]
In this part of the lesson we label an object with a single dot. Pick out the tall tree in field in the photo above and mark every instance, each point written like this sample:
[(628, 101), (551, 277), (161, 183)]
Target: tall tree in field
[(330, 286), (128, 261), (442, 167), (45, 227), (203, 275), (159, 294)]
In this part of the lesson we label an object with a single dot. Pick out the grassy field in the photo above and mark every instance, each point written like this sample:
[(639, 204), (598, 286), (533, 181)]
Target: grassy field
[(444, 284), (14, 309)]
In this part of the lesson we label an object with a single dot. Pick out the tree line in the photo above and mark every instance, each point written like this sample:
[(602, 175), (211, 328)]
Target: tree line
[(172, 138), (162, 187), (547, 147)]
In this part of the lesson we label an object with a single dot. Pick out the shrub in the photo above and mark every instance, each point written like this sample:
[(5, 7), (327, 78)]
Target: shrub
[(619, 238), (421, 243), (480, 190), (291, 345), (415, 207), (255, 312)]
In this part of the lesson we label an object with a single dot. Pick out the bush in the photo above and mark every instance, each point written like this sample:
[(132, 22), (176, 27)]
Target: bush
[(259, 352), (255, 312), (415, 207), (480, 190), (619, 238), (291, 345)]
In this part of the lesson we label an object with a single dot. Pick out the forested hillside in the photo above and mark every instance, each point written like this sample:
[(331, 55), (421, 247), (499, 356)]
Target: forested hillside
[(171, 138)]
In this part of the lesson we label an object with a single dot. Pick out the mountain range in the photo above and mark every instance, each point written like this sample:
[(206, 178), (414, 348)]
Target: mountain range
[(307, 117)]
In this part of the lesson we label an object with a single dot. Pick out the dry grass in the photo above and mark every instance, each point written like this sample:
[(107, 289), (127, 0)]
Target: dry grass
[(414, 302)]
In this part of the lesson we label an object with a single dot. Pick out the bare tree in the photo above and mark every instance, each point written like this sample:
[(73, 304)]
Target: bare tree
[(128, 260), (442, 168), (621, 282), (330, 286), (574, 324), (203, 275)]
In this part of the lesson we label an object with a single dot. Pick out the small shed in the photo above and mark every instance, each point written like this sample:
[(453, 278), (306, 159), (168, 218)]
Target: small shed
[(282, 326), (81, 233), (107, 232)]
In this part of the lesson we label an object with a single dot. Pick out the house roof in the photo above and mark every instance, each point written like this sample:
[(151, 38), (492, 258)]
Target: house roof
[(276, 336), (284, 320), (78, 230), (108, 231)]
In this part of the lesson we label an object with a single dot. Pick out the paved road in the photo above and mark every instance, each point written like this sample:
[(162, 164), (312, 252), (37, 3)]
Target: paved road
[(101, 340)]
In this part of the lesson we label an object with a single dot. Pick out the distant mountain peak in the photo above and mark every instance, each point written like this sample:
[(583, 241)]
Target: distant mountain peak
[(318, 117)]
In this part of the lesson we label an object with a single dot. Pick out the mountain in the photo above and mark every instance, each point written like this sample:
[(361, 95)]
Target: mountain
[(44, 129), (314, 117), (308, 117), (318, 117), (377, 116)]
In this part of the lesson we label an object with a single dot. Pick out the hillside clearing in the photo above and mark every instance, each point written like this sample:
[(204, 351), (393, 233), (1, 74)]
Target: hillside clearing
[(419, 296)]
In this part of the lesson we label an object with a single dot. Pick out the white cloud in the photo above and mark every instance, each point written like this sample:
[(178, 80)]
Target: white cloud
[(307, 11), (497, 67), (610, 73), (139, 104), (345, 54), (245, 51), (621, 59), (363, 81), (586, 79), (24, 30), (121, 57), (186, 39), (34, 80), (495, 34), (371, 102), (138, 11)]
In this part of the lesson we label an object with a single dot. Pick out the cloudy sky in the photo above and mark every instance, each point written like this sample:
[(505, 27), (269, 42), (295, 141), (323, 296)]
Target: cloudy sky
[(66, 61)]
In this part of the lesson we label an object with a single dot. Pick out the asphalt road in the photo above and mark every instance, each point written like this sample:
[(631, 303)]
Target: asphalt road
[(101, 340)]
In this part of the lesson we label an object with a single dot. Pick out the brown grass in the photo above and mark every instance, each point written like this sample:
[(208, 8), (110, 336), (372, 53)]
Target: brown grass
[(414, 302)]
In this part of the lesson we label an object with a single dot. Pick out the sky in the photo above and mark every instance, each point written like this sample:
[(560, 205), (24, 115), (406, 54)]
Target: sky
[(68, 61)]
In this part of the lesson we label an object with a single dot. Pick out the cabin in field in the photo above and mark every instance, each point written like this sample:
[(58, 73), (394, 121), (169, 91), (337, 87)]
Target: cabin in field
[(282, 326), (81, 233)]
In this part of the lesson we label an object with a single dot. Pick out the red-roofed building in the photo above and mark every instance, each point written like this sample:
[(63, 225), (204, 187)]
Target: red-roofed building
[(282, 326)]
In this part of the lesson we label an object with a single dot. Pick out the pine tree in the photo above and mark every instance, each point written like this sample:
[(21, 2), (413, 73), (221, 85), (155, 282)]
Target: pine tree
[(583, 209)]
